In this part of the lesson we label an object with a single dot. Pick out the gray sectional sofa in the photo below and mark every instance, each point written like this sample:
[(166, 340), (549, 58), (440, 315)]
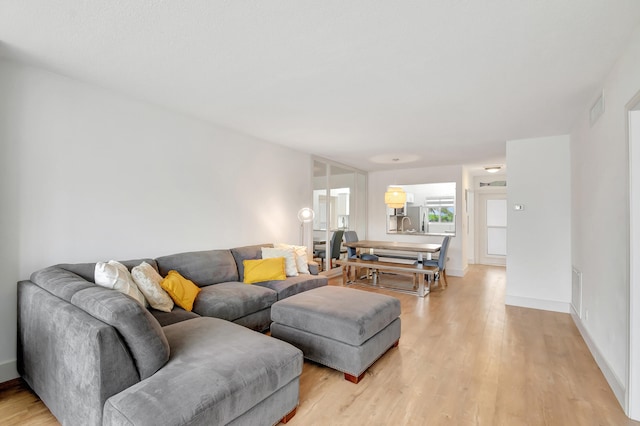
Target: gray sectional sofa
[(95, 356)]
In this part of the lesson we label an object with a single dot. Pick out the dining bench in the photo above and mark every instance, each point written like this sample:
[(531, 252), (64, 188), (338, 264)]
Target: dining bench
[(419, 272)]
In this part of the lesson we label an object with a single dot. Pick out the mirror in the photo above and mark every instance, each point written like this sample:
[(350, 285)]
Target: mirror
[(429, 210), (338, 209), (339, 199)]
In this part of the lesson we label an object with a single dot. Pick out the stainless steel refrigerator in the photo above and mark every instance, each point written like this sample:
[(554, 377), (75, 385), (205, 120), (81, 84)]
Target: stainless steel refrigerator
[(419, 217)]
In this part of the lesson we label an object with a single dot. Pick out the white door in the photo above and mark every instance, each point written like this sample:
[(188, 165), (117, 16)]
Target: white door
[(492, 229)]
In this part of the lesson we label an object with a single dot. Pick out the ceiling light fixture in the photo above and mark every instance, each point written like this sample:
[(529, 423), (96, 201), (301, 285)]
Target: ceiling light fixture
[(493, 169)]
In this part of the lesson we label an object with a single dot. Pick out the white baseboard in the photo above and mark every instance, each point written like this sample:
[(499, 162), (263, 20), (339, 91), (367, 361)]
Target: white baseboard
[(545, 305), (8, 371), (456, 272), (616, 385)]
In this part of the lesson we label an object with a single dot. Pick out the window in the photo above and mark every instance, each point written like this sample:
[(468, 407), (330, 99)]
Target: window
[(429, 210), (441, 209)]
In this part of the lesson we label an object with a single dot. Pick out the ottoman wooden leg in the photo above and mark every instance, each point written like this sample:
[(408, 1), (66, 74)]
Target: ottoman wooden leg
[(289, 415), (353, 379)]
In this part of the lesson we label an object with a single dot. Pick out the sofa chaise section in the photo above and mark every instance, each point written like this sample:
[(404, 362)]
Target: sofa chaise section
[(248, 369)]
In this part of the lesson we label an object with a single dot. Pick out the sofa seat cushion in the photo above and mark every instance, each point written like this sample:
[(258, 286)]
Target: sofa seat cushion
[(295, 285), (217, 371), (177, 314), (233, 300)]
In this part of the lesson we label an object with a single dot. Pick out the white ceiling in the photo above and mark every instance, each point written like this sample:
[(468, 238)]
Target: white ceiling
[(434, 82)]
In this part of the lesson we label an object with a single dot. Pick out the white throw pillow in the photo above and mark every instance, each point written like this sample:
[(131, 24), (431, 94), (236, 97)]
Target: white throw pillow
[(148, 281), (289, 260), (302, 260), (114, 275), (300, 252)]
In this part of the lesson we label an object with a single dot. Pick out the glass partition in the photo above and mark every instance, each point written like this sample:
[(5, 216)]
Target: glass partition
[(430, 209), (339, 201)]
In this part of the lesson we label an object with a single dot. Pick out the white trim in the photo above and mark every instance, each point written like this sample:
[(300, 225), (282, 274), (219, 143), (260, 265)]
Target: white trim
[(489, 261), (573, 312), (456, 272), (8, 371), (632, 397), (616, 385), (545, 305)]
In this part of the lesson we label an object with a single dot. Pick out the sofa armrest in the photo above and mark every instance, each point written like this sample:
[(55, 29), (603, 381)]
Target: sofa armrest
[(314, 268), (73, 361)]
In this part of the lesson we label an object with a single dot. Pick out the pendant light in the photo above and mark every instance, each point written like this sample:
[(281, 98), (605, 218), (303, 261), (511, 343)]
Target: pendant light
[(395, 197)]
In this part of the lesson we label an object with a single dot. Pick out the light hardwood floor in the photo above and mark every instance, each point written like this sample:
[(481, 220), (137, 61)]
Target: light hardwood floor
[(464, 359)]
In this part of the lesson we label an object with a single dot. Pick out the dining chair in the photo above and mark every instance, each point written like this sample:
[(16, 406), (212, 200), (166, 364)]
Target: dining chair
[(440, 262), (352, 237), (336, 243), (352, 252)]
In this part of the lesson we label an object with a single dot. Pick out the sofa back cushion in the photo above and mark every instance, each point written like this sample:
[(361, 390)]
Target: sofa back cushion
[(61, 282), (139, 329), (86, 270), (241, 254), (201, 267)]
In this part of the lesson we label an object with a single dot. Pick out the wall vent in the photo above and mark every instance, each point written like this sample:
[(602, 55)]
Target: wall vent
[(576, 291), (596, 110)]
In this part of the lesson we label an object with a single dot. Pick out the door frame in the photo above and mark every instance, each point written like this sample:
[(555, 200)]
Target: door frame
[(481, 228), (632, 394)]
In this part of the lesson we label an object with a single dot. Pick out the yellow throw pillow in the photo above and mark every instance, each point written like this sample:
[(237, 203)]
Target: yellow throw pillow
[(182, 291), (256, 271)]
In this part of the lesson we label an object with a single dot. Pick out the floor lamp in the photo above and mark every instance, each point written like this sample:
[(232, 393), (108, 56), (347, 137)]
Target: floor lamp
[(305, 215)]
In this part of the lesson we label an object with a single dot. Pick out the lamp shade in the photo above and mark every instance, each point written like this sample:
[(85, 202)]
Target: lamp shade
[(395, 197), (306, 214)]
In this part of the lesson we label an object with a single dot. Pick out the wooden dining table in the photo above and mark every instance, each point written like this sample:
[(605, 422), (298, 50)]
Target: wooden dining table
[(421, 249)]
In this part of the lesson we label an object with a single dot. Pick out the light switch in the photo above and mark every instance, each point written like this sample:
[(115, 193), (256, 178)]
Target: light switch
[(518, 206)]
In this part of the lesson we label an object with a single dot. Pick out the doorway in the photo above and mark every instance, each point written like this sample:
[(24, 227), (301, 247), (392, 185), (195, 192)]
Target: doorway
[(491, 225)]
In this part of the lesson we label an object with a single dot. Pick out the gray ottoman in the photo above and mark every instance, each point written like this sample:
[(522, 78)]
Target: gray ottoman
[(342, 328)]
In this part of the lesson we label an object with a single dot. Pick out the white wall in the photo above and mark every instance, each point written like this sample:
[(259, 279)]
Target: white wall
[(599, 166), (539, 237), (89, 175), (377, 221)]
